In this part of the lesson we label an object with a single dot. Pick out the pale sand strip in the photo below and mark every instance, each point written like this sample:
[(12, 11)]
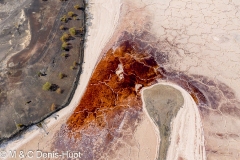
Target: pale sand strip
[(105, 19), (146, 133), (187, 138)]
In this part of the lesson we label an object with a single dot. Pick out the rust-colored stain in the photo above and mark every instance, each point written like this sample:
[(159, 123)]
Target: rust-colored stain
[(114, 90), (194, 98), (107, 94)]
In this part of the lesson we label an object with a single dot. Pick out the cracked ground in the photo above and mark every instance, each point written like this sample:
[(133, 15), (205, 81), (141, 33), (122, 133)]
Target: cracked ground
[(191, 43)]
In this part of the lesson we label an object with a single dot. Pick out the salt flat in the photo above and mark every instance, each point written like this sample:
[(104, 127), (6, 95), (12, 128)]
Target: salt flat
[(201, 42)]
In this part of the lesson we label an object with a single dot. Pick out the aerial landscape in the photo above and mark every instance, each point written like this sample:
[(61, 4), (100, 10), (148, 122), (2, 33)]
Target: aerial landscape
[(32, 58), (120, 79)]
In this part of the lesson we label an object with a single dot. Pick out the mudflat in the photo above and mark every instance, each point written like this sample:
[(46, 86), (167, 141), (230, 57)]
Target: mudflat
[(163, 103)]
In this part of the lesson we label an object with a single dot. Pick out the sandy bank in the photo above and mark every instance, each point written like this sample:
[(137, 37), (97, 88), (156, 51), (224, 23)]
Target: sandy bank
[(100, 29), (187, 140)]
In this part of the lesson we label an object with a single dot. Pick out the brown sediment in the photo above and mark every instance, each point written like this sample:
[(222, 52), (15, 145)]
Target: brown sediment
[(194, 98), (106, 94), (109, 98)]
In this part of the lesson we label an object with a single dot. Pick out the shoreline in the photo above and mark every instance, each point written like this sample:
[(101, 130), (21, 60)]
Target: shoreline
[(174, 136), (70, 94), (90, 61), (194, 59), (157, 132)]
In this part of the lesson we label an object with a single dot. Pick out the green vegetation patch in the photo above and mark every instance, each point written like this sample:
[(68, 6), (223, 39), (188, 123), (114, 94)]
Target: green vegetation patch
[(46, 86)]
